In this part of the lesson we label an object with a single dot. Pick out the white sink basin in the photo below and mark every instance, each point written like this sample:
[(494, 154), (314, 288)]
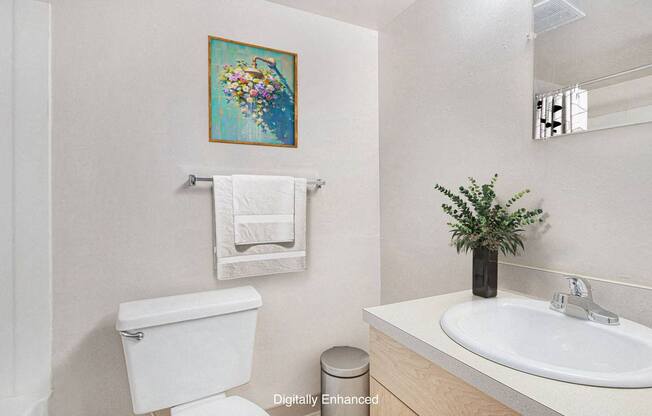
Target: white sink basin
[(525, 335)]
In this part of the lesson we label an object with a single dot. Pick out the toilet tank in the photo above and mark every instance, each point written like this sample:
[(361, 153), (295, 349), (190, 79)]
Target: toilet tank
[(183, 348)]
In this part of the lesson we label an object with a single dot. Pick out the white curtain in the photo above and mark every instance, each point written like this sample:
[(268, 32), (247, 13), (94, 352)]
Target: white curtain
[(25, 243)]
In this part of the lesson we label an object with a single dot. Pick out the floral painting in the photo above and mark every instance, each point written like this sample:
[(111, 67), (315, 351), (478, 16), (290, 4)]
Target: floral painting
[(253, 93)]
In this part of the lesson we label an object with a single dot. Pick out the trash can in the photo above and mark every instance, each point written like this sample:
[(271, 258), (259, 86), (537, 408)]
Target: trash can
[(345, 382)]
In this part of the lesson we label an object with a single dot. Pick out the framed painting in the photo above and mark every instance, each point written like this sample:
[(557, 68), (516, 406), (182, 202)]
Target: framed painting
[(252, 94)]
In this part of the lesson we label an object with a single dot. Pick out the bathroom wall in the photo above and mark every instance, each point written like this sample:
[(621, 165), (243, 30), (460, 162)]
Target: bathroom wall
[(455, 82), (625, 102), (130, 123)]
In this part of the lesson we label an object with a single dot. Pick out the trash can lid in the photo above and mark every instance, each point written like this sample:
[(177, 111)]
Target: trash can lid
[(345, 361)]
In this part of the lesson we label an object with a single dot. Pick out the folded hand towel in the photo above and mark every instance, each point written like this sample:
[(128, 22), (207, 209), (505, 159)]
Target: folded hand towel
[(235, 261), (263, 209)]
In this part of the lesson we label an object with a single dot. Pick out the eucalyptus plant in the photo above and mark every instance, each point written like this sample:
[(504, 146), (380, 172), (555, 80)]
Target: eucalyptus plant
[(481, 221)]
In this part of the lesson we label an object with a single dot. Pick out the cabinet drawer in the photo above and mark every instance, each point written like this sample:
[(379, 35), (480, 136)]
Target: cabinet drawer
[(425, 388), (388, 404)]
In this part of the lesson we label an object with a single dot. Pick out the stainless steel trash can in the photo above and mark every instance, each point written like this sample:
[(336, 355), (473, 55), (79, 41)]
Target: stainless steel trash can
[(345, 382)]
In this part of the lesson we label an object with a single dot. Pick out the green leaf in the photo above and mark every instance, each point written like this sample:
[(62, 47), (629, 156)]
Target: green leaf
[(479, 220)]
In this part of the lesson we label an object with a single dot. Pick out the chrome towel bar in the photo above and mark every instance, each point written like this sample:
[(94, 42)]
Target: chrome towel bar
[(193, 179)]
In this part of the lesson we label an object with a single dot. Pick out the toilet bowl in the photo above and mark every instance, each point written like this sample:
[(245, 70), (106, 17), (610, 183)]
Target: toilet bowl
[(218, 406), (184, 352)]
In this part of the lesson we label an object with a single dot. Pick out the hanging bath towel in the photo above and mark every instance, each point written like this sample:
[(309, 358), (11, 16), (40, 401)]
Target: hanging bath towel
[(263, 209), (234, 260)]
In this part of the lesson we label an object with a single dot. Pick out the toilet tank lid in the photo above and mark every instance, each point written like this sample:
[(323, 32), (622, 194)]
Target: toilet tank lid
[(170, 309)]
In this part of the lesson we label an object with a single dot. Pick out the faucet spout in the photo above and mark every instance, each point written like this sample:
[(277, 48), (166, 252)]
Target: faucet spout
[(579, 303)]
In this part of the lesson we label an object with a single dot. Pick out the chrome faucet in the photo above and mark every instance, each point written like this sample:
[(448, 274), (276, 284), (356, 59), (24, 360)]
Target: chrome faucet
[(579, 303)]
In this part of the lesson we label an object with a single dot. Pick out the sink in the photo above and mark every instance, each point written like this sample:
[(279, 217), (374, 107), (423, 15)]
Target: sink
[(526, 335)]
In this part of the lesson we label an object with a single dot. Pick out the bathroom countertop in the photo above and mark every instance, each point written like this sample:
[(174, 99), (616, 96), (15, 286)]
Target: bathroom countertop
[(415, 324)]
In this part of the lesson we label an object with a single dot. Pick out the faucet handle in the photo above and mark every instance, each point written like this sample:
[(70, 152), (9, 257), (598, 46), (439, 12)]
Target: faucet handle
[(579, 287)]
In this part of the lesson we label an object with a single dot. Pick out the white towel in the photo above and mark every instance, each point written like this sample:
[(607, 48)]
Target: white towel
[(235, 261), (263, 209)]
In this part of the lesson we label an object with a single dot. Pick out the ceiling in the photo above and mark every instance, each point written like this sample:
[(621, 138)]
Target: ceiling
[(373, 14)]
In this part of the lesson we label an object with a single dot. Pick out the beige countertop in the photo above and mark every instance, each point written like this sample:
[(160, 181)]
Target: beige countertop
[(415, 324)]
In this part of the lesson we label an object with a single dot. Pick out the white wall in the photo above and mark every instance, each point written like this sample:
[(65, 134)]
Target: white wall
[(456, 88), (25, 262), (129, 124), (620, 118), (626, 102), (456, 93)]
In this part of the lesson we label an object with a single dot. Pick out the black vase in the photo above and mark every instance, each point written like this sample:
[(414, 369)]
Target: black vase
[(485, 272)]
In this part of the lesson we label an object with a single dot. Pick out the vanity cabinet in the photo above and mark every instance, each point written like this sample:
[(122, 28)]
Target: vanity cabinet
[(409, 385)]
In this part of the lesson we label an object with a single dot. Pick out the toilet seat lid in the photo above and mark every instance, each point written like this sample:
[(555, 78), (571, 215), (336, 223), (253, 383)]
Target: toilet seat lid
[(223, 406)]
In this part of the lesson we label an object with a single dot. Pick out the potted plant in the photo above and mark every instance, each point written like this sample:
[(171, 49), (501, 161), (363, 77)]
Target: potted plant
[(484, 225)]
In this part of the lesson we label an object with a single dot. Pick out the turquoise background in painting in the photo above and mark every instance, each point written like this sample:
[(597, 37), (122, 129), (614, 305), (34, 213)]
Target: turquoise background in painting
[(227, 122)]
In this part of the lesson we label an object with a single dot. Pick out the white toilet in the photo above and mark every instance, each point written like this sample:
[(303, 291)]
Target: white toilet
[(183, 352)]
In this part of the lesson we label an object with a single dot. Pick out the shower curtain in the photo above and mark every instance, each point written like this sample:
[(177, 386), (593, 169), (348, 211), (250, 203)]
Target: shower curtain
[(560, 112), (25, 242)]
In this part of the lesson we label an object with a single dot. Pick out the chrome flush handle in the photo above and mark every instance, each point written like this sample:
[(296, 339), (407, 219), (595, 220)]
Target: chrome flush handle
[(135, 335)]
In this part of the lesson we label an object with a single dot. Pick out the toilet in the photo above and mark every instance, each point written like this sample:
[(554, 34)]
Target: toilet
[(184, 352)]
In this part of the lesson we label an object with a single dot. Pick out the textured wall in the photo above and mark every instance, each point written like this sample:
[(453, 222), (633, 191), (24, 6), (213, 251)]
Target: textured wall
[(455, 88), (130, 122)]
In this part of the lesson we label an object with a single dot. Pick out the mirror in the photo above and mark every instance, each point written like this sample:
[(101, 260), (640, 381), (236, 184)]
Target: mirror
[(592, 65)]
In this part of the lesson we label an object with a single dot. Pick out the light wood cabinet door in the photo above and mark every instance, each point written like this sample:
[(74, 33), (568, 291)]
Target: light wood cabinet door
[(425, 388), (388, 404)]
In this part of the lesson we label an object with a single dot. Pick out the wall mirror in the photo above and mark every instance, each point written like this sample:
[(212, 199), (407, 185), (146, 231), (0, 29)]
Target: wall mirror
[(592, 65)]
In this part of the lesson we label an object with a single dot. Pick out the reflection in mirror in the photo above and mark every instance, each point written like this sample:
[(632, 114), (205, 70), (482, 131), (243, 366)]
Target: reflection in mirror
[(592, 65)]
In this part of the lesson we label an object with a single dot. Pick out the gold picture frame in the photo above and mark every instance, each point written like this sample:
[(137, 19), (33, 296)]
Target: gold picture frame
[(241, 107)]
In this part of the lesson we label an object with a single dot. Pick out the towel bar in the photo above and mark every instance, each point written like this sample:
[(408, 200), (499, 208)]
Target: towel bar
[(193, 179)]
